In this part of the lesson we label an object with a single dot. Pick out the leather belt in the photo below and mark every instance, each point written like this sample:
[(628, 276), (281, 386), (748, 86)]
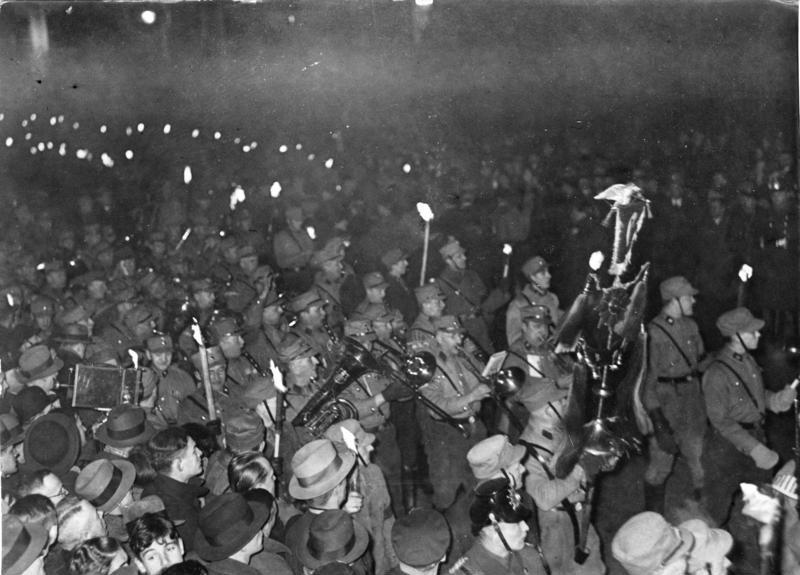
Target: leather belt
[(682, 379)]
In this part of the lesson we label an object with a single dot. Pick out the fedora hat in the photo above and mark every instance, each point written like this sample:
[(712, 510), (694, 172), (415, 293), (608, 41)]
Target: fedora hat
[(226, 524), (22, 544), (126, 425), (52, 442), (11, 431), (105, 482), (317, 468), (31, 401), (37, 363), (331, 536)]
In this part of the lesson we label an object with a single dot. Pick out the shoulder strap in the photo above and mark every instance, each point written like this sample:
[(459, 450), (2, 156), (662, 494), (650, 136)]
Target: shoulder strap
[(674, 343), (740, 378)]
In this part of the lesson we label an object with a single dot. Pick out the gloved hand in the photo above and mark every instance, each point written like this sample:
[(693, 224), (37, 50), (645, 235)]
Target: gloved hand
[(663, 432), (782, 400), (764, 457), (396, 391)]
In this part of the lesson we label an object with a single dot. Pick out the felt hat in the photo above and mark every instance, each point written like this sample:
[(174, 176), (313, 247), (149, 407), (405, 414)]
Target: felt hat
[(159, 343), (22, 544), (490, 456), (125, 426), (213, 354), (72, 333), (448, 324), (52, 442), (149, 504), (536, 314), (534, 265), (374, 280), (31, 401), (676, 287), (421, 538), (11, 431), (497, 498), (739, 320), (37, 363), (105, 482), (428, 292), (317, 468), (393, 256), (645, 542), (332, 535), (226, 524)]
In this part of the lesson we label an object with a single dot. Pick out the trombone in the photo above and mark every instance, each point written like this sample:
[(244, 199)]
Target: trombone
[(503, 385)]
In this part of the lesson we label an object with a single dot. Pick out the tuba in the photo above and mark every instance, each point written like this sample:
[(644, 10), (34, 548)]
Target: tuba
[(326, 407)]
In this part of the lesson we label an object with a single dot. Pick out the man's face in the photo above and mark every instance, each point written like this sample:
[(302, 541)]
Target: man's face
[(271, 315), (48, 383), (161, 554), (191, 459), (399, 268), (56, 279), (231, 345), (249, 264), (8, 461), (535, 333), (303, 370), (90, 520), (333, 269), (458, 261), (313, 316), (216, 374), (450, 342), (687, 305), (161, 359), (43, 321), (514, 534), (376, 294), (542, 278), (433, 307), (750, 339), (52, 488), (97, 289), (204, 299)]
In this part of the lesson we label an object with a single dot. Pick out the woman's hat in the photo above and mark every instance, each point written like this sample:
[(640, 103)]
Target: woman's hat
[(317, 468), (52, 442), (226, 524), (37, 363), (126, 425), (331, 536), (105, 482), (22, 545)]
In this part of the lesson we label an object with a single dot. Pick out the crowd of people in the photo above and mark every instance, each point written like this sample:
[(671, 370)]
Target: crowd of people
[(296, 382)]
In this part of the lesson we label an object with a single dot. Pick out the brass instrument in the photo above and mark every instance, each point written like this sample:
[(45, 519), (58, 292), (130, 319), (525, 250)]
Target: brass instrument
[(504, 384), (325, 407)]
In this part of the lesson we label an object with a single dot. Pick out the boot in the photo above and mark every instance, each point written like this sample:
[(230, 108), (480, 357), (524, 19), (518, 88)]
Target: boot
[(654, 497)]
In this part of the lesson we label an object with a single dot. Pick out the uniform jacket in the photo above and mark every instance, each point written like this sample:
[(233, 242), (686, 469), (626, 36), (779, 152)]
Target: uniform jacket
[(454, 379), (528, 296), (478, 561)]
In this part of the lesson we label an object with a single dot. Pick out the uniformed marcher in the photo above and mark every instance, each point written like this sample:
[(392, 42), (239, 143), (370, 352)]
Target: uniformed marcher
[(420, 540), (499, 521), (310, 326), (173, 384), (399, 295), (536, 292), (736, 402), (422, 334), (293, 248), (672, 394)]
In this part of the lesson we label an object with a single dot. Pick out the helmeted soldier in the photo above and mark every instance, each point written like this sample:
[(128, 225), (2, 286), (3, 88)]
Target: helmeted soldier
[(672, 394), (536, 292)]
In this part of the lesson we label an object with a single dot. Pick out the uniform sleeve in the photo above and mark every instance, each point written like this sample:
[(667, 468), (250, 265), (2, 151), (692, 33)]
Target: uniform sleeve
[(513, 323), (546, 492), (452, 405), (657, 348), (364, 404), (717, 394)]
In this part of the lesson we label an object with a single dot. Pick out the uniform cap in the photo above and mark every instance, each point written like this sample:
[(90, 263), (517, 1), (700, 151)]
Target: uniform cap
[(224, 327), (428, 292), (43, 306), (159, 342), (374, 280), (646, 541), (421, 538), (448, 324), (534, 265), (244, 431), (247, 251), (488, 457), (214, 355), (359, 328), (496, 498), (451, 248), (306, 300), (295, 348), (536, 314), (739, 320), (393, 256), (709, 544), (676, 287)]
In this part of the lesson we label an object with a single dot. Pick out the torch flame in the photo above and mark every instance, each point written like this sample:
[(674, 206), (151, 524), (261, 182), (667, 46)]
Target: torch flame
[(349, 440), (237, 197), (424, 211), (185, 235), (187, 175), (596, 260), (507, 249), (312, 233), (277, 377), (745, 272), (275, 189), (196, 334), (134, 358)]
